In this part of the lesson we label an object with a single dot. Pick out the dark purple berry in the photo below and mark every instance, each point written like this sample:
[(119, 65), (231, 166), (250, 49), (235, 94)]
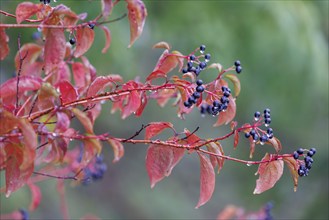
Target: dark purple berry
[(224, 106), (308, 159), (192, 57), (196, 95), (189, 65), (267, 110), (252, 132), (91, 25), (308, 165), (263, 138), (202, 65), (296, 155), (197, 70), (72, 41), (226, 94), (202, 48), (209, 109), (192, 69), (216, 103), (199, 89), (301, 172), (184, 70), (257, 114), (313, 150), (267, 115), (267, 120), (199, 82), (224, 99), (191, 100), (238, 69), (207, 56), (203, 109), (270, 136), (187, 104), (300, 151), (269, 131), (237, 63), (247, 135), (310, 153), (255, 137), (25, 214)]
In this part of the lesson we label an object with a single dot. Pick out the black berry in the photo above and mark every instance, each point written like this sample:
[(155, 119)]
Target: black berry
[(267, 115), (238, 69), (226, 93), (202, 48), (187, 104), (202, 65), (257, 114), (310, 153), (300, 151), (192, 57), (207, 56), (25, 214), (296, 155), (269, 131), (263, 138), (237, 63), (199, 89), (72, 41), (189, 65), (91, 25), (184, 70), (191, 100), (267, 110), (308, 159), (247, 135), (216, 103), (313, 150), (196, 95), (199, 82), (267, 121)]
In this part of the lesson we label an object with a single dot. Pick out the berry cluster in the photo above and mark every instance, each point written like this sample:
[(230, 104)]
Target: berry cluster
[(95, 170), (260, 135), (238, 67), (197, 94), (267, 209), (45, 1), (218, 105), (200, 65), (304, 169)]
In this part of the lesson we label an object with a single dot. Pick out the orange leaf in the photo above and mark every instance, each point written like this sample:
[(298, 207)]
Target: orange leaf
[(54, 49), (117, 149), (84, 120), (85, 38), (236, 83), (136, 14), (160, 160), (25, 10), (275, 143), (228, 115), (107, 33), (269, 174), (162, 44), (293, 167), (207, 180), (4, 48), (156, 128), (99, 84), (217, 149)]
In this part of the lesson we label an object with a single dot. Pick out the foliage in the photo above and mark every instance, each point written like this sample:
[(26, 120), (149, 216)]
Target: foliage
[(39, 105)]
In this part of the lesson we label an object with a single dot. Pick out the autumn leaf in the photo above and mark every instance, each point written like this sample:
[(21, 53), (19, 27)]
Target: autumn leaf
[(84, 120), (79, 74), (30, 66), (236, 83), (155, 128), (107, 6), (275, 143), (228, 115), (118, 149), (25, 10), (216, 147), (269, 173), (160, 160), (85, 38), (136, 14), (67, 92), (207, 180), (36, 196), (293, 167), (54, 51), (107, 34), (162, 44), (4, 48), (99, 84), (133, 99), (236, 138)]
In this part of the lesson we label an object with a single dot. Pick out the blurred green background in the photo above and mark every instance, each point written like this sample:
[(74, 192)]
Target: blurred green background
[(283, 48)]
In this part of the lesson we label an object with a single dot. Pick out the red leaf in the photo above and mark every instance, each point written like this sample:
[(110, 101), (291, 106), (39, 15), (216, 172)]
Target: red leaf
[(84, 120), (228, 115), (117, 149), (26, 83), (133, 100), (67, 16), (217, 149), (25, 10), (79, 74), (36, 196), (136, 14), (85, 38), (293, 167), (4, 48), (207, 180), (92, 147), (107, 33), (99, 84), (107, 6), (141, 108), (166, 63), (67, 92), (63, 122), (160, 160), (54, 49), (31, 53), (156, 128), (269, 174)]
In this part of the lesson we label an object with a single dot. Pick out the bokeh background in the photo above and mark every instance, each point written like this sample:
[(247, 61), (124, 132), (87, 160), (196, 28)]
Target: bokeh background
[(283, 48)]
